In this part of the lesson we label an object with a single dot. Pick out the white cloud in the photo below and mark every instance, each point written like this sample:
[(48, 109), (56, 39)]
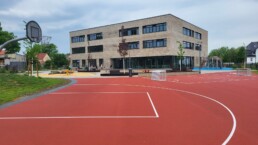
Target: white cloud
[(230, 22)]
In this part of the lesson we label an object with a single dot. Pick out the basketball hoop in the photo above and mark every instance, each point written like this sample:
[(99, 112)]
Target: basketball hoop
[(33, 31)]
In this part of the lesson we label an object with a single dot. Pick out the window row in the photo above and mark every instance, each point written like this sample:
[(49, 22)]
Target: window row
[(189, 45), (135, 45), (125, 32), (191, 33), (97, 48), (154, 28), (129, 32), (90, 65), (90, 37), (155, 43), (78, 50), (95, 36), (76, 39)]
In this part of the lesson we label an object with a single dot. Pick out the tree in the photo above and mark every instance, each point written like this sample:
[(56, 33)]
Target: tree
[(31, 54), (214, 52), (50, 49), (5, 36), (224, 54), (236, 55), (232, 55), (60, 60), (123, 48), (241, 54), (180, 53)]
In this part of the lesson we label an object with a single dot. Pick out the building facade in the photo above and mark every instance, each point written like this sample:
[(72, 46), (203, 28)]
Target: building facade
[(152, 43), (12, 61), (252, 53)]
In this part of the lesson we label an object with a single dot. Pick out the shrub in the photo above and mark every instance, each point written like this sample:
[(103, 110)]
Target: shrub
[(3, 70)]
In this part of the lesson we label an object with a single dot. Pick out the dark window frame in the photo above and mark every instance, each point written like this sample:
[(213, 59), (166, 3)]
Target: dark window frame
[(153, 28), (156, 43), (95, 48), (78, 50), (95, 36), (198, 35), (129, 31), (198, 46), (76, 39), (188, 45), (133, 45), (188, 32)]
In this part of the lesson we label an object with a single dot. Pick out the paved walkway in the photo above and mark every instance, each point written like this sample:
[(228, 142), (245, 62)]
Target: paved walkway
[(73, 75)]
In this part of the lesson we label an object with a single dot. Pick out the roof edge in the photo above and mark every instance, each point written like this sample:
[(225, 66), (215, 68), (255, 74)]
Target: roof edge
[(138, 20)]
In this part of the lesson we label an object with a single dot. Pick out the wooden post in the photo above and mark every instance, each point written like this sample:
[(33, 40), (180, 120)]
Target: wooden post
[(31, 71), (28, 68), (37, 69)]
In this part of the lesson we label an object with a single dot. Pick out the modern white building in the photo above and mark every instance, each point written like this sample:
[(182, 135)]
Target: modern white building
[(252, 53)]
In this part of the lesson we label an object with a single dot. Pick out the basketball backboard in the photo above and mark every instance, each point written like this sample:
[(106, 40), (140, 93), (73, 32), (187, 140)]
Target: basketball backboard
[(33, 32)]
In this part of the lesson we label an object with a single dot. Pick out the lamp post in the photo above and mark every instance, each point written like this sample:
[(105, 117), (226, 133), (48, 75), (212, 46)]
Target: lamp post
[(200, 50), (245, 61)]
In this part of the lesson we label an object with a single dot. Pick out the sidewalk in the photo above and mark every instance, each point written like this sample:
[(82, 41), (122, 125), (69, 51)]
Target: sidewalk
[(72, 75)]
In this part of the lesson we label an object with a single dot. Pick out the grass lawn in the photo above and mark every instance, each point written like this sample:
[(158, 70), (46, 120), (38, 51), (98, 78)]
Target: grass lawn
[(13, 86), (256, 71)]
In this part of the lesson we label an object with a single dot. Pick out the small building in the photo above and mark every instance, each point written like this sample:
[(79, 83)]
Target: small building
[(12, 61), (252, 53), (43, 57), (2, 58)]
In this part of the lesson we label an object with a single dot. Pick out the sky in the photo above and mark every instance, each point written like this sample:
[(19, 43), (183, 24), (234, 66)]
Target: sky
[(231, 23)]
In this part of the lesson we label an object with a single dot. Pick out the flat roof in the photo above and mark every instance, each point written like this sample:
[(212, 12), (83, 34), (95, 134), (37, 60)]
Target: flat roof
[(138, 20)]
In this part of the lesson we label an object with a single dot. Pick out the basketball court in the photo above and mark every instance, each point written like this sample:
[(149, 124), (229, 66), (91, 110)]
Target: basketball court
[(138, 111)]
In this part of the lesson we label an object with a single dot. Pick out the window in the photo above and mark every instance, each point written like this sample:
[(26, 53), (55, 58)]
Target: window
[(76, 39), (101, 61), (188, 45), (133, 45), (129, 32), (188, 32), (78, 50), (95, 36), (198, 47), (154, 28), (97, 48), (76, 63), (83, 63), (198, 35), (155, 43)]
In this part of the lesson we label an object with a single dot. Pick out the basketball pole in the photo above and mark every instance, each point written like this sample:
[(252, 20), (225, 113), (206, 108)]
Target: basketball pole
[(10, 41)]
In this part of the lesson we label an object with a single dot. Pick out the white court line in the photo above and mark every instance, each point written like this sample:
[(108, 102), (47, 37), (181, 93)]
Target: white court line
[(89, 117), (74, 117), (188, 92), (152, 104), (97, 93)]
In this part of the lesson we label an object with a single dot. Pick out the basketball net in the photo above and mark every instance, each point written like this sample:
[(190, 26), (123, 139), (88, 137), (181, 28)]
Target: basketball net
[(45, 40)]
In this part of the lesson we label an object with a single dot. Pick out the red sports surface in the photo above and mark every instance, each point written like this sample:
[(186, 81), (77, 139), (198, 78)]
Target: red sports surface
[(196, 109)]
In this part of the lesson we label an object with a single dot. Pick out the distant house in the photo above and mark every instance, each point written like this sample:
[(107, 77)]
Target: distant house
[(12, 61), (2, 57), (252, 53), (43, 57)]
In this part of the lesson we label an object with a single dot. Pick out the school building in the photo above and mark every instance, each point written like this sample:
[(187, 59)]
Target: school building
[(152, 43)]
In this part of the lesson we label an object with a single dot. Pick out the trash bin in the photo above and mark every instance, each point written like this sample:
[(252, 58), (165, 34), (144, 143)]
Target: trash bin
[(130, 72)]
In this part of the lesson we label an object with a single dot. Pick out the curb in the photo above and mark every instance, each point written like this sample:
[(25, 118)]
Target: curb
[(26, 98)]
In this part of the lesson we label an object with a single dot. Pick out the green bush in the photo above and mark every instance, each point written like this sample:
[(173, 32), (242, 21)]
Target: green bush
[(3, 70)]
